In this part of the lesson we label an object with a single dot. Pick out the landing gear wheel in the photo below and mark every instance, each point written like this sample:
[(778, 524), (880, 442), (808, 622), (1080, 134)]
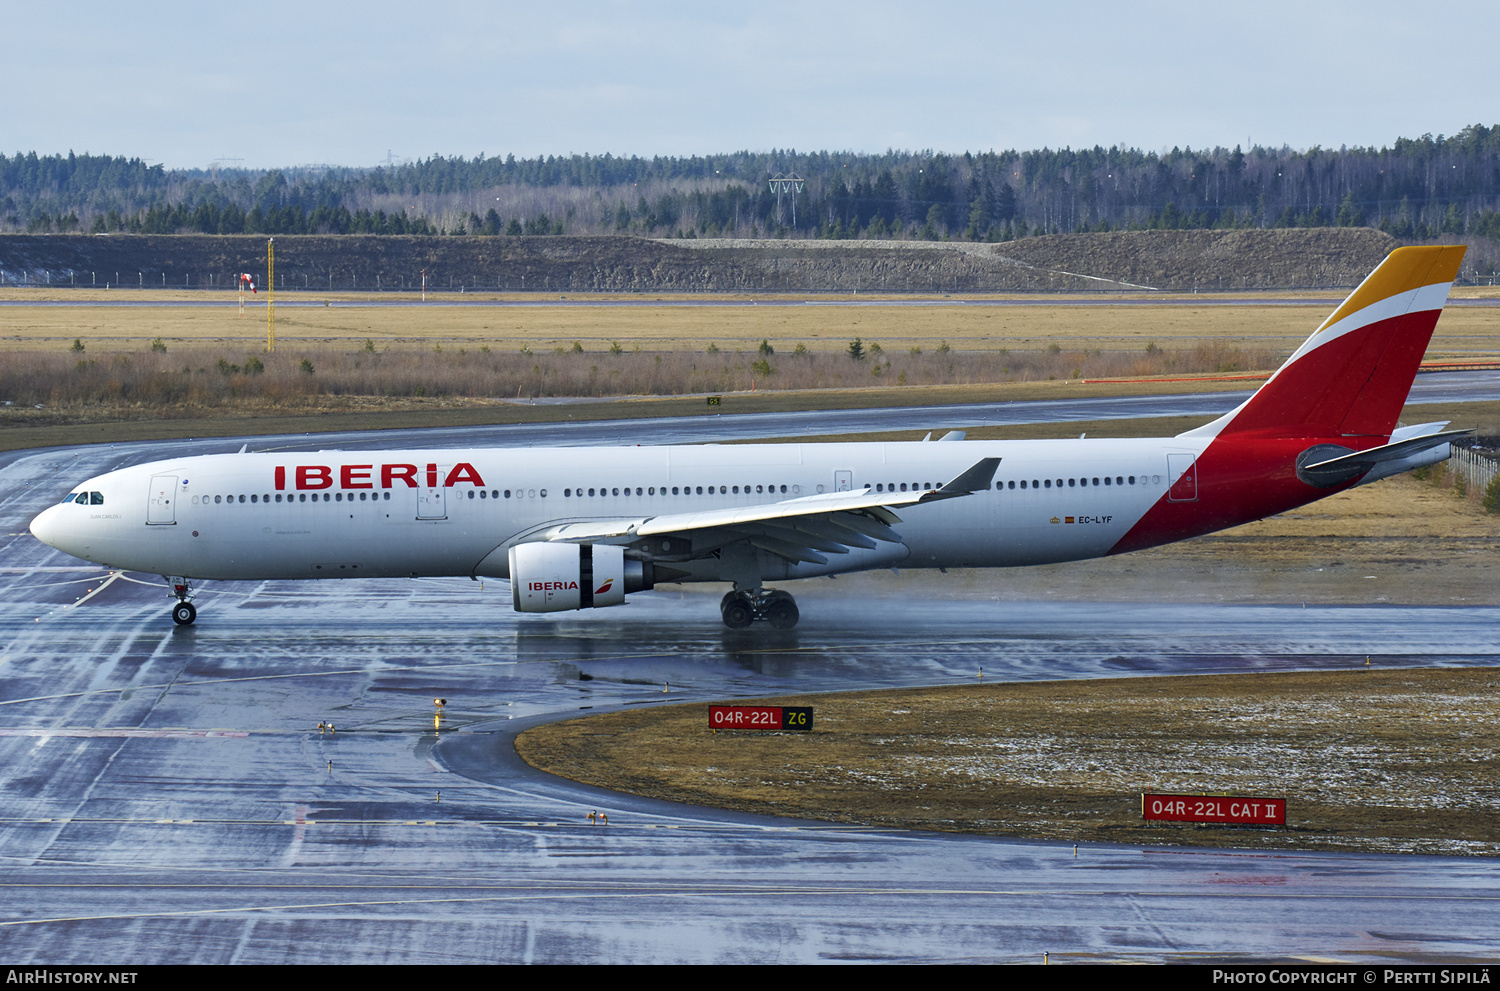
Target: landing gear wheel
[(184, 613), (737, 610), (781, 611)]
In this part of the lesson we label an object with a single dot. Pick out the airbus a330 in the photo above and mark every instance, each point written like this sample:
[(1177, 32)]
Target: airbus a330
[(580, 528)]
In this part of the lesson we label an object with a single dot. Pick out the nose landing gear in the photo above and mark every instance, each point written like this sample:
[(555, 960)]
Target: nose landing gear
[(184, 612), (740, 609)]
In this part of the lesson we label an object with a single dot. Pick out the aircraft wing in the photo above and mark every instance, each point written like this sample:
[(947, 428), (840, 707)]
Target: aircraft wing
[(792, 528)]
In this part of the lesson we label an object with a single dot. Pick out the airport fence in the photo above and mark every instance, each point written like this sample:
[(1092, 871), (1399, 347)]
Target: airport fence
[(1477, 468)]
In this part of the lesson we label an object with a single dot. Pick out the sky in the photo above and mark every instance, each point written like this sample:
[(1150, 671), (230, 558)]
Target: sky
[(275, 83)]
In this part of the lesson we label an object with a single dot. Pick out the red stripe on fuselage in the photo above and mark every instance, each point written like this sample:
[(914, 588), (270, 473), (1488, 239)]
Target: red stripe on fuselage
[(1239, 479)]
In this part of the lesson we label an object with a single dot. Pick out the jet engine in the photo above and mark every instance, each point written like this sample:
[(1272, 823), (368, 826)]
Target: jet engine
[(552, 577)]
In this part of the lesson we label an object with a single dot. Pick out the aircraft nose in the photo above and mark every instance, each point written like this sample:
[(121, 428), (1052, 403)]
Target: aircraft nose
[(45, 527)]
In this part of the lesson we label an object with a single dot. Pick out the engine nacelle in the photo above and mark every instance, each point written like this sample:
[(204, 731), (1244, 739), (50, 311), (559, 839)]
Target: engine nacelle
[(552, 577)]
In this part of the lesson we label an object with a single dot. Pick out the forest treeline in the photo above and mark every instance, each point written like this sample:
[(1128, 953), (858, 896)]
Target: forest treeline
[(1417, 188)]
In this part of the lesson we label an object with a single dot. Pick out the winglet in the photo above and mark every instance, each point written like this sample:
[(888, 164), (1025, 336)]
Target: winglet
[(972, 480)]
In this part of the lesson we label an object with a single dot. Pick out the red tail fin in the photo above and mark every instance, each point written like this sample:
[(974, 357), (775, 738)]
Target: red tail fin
[(1352, 376)]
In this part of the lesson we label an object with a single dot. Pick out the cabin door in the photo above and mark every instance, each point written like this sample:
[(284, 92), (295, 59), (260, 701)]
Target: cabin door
[(1183, 473), (159, 508), (432, 502)]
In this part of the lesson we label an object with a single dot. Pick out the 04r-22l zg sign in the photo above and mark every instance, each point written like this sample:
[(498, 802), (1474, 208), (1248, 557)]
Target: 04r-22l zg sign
[(768, 717)]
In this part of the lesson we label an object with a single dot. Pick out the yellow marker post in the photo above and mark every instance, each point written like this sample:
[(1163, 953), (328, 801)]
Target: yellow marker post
[(271, 294)]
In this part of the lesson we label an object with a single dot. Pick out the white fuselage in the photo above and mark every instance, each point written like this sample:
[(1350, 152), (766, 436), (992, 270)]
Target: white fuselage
[(348, 514)]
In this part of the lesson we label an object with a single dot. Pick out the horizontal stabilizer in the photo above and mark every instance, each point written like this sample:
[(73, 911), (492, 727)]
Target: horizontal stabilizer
[(1326, 471)]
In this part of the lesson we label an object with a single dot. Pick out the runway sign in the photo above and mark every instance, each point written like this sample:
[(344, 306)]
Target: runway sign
[(1214, 808), (797, 718)]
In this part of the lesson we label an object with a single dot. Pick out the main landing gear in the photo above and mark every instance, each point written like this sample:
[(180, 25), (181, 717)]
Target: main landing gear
[(184, 612), (776, 607)]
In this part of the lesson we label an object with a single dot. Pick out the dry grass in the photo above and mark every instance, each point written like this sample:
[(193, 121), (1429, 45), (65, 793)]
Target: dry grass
[(1126, 327), (452, 365), (663, 350), (1388, 760), (217, 376)]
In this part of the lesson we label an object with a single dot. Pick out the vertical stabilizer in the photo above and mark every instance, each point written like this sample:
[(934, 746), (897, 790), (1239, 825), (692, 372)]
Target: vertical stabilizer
[(1352, 376)]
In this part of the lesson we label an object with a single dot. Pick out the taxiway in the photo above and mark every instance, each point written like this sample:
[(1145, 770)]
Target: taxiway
[(169, 798)]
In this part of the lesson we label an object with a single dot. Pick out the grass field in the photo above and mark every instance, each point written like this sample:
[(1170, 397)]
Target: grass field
[(152, 362), (348, 322), (152, 371), (1370, 760)]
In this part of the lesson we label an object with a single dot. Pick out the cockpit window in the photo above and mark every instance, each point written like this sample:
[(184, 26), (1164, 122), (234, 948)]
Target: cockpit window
[(96, 498)]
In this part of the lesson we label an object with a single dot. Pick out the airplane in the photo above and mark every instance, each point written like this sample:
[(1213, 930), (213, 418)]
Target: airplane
[(580, 528)]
